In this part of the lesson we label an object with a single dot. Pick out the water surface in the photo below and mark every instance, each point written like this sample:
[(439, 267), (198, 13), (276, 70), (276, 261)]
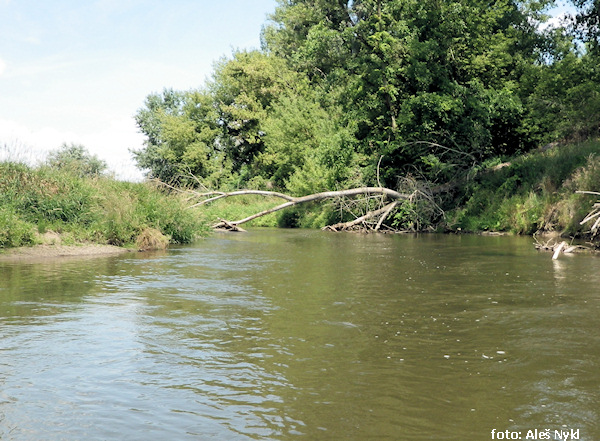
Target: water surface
[(290, 334)]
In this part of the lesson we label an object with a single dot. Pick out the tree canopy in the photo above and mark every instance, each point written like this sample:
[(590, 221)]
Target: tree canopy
[(351, 92)]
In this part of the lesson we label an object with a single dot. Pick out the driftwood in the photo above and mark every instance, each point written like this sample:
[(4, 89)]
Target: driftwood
[(563, 247), (556, 248), (594, 214), (291, 201), (383, 212)]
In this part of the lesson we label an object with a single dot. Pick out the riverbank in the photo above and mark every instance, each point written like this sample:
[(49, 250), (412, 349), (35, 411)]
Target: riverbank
[(36, 202), (536, 192), (532, 193), (529, 194)]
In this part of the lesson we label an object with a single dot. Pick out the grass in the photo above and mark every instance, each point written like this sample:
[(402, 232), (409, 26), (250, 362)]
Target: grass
[(535, 193), (34, 200), (240, 207), (315, 215)]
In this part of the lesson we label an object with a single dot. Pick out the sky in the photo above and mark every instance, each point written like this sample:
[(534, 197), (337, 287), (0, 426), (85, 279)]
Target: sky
[(77, 71)]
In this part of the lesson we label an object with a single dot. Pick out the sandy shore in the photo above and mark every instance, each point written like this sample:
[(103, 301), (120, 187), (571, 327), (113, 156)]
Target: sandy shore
[(43, 252)]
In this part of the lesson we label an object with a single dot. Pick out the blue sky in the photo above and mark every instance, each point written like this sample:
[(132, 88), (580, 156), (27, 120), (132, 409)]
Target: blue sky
[(78, 70)]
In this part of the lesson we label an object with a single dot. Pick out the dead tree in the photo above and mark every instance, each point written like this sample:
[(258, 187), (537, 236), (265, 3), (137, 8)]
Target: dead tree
[(593, 215), (381, 213)]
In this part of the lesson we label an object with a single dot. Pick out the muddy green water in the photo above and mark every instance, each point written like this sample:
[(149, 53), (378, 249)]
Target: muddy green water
[(285, 335)]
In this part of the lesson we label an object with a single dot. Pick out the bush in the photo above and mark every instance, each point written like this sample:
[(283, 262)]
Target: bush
[(126, 209), (77, 160), (151, 239)]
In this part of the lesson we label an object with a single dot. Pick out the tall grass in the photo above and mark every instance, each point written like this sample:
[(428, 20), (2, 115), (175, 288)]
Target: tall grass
[(34, 200), (535, 193)]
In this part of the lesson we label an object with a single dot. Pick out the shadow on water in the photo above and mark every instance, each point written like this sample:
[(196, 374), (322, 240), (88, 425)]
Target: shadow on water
[(285, 334)]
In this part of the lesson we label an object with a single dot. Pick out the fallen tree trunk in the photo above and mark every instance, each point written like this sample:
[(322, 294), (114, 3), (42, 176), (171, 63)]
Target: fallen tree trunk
[(594, 214), (384, 211), (291, 201), (216, 195)]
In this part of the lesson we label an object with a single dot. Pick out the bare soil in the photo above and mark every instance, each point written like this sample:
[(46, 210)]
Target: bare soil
[(43, 252)]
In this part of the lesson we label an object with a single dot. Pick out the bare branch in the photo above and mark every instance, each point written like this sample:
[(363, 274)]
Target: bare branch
[(358, 220), (291, 201), (385, 214), (221, 195)]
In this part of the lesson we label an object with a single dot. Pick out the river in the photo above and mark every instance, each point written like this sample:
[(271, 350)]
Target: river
[(296, 334)]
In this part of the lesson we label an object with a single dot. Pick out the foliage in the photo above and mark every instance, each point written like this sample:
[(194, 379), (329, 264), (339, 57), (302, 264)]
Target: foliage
[(440, 73), (535, 193), (14, 231), (565, 101), (76, 159), (587, 22), (244, 88), (364, 92), (306, 149), (181, 131)]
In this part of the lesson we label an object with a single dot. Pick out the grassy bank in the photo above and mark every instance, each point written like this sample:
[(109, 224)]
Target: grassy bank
[(41, 200), (532, 193), (315, 215)]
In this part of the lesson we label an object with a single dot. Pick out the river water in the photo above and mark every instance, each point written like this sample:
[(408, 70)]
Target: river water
[(295, 334)]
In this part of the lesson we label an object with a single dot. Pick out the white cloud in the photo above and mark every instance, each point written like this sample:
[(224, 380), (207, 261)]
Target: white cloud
[(558, 16), (2, 66)]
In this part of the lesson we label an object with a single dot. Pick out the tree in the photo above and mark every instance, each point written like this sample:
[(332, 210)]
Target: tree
[(348, 93), (307, 147), (358, 222), (181, 130), (411, 74), (214, 133), (587, 22), (243, 90), (75, 158)]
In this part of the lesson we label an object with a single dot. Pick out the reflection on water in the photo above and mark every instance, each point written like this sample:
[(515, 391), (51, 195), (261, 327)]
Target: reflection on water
[(277, 335)]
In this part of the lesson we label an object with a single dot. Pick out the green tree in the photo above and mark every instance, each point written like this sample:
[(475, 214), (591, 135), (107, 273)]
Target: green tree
[(307, 148), (411, 74), (181, 130), (587, 22), (243, 90), (565, 100), (440, 86), (76, 159)]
